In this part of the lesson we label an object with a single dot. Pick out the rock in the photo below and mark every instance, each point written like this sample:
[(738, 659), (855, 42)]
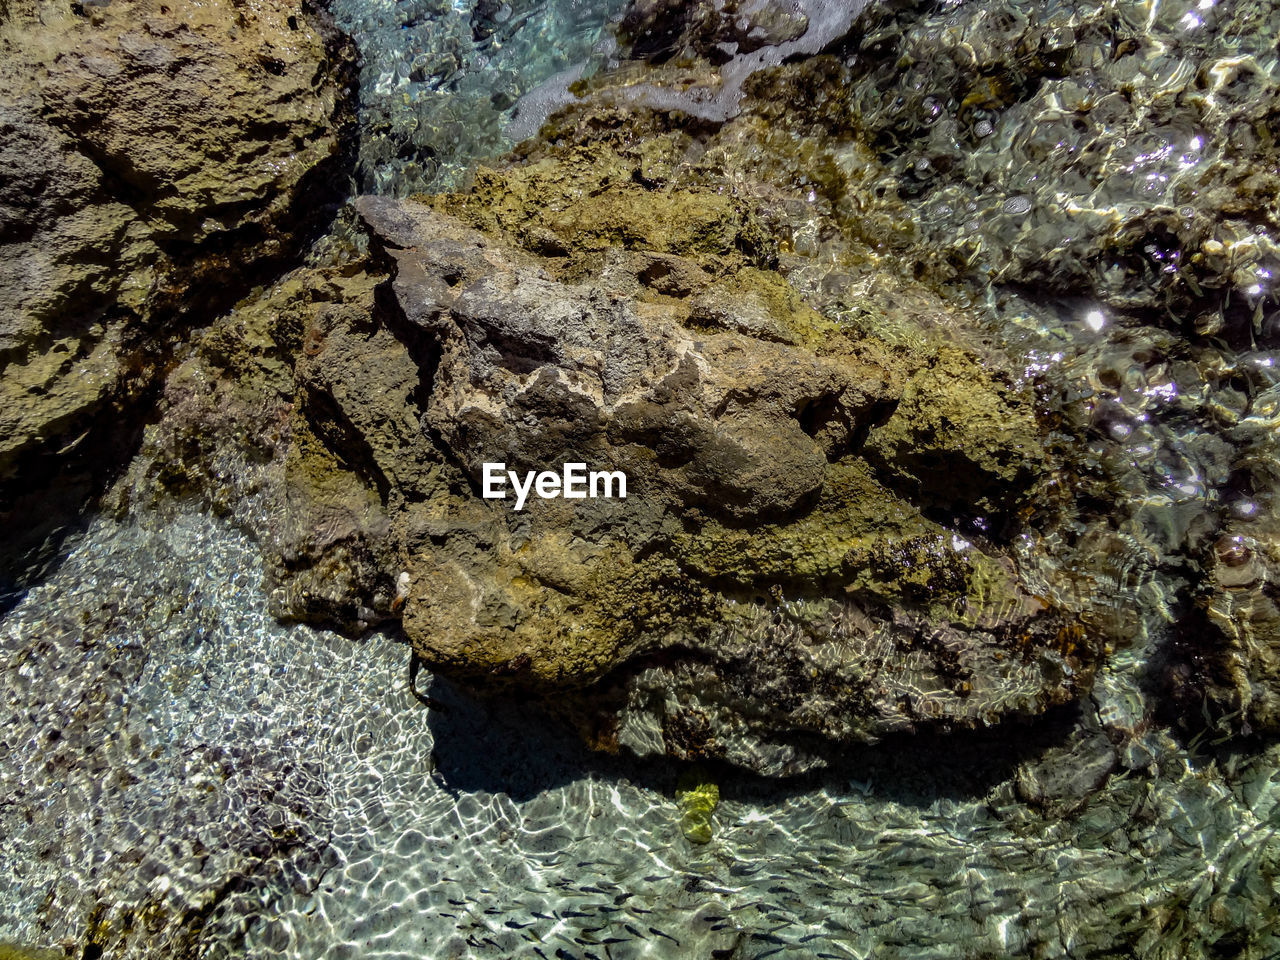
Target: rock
[(657, 30), (156, 158), (532, 371), (715, 50), (939, 416), (810, 442), (1225, 675), (765, 592), (1064, 777), (14, 951)]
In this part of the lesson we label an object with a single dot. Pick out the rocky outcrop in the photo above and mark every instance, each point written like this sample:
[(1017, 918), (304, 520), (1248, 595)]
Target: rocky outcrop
[(846, 517), (771, 587), (532, 371), (154, 158)]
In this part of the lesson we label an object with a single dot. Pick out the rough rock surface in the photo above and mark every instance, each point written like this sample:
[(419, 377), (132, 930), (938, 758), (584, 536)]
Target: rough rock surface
[(532, 371), (152, 157), (848, 516), (768, 590)]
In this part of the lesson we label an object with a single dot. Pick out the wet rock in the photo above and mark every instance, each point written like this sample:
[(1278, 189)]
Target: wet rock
[(156, 158), (918, 445), (716, 49), (1160, 202), (985, 149), (767, 591), (14, 951), (832, 473), (1227, 672), (657, 30), (1063, 779)]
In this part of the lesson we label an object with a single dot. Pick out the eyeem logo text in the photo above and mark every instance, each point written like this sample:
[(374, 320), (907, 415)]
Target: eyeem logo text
[(575, 483)]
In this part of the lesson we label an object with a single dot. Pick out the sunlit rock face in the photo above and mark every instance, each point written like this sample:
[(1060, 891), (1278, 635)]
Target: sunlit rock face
[(535, 372), (951, 205), (154, 155), (779, 580)]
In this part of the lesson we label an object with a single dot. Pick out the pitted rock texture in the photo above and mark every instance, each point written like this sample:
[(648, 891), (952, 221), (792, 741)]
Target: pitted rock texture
[(535, 372), (767, 591), (154, 159)]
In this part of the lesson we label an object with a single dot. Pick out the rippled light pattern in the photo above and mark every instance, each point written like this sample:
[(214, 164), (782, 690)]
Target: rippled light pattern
[(186, 777), (182, 776)]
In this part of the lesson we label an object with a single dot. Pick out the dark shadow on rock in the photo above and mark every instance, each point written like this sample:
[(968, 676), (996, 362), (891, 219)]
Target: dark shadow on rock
[(54, 498), (512, 746), (920, 769)]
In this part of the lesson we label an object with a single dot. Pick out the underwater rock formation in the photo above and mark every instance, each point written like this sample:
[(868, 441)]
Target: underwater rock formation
[(154, 157), (1228, 671), (1087, 154)]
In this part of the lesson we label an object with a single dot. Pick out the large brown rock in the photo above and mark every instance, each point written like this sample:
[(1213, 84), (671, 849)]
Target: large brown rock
[(766, 592), (798, 564), (534, 371), (154, 159)]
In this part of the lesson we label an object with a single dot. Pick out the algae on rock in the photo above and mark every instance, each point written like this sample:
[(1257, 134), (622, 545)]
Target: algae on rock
[(761, 594), (833, 473), (159, 157), (697, 797)]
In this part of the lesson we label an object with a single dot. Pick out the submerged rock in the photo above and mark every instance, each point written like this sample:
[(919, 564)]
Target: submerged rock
[(1226, 676), (14, 951), (154, 156)]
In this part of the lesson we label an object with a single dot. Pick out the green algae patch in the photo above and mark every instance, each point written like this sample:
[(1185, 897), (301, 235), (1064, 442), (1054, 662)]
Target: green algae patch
[(961, 440), (761, 304), (594, 198), (15, 951), (697, 798), (854, 511)]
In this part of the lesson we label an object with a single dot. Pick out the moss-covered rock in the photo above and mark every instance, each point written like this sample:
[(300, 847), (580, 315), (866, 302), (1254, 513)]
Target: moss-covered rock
[(827, 464), (157, 158), (15, 951), (762, 592)]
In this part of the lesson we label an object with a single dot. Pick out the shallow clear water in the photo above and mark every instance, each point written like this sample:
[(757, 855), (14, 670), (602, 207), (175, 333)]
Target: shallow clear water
[(180, 775), (285, 786), (443, 83)]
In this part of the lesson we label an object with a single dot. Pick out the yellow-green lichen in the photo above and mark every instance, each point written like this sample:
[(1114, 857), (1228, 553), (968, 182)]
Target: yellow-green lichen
[(588, 198), (854, 510), (15, 951)]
